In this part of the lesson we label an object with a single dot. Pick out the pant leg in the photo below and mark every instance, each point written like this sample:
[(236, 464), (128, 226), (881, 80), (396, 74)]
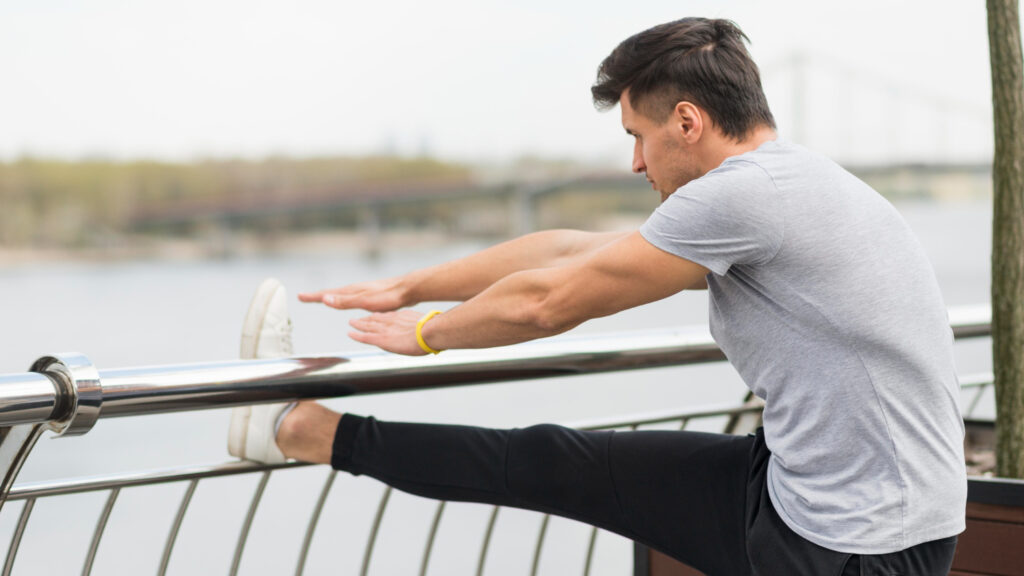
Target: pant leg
[(773, 548), (679, 492)]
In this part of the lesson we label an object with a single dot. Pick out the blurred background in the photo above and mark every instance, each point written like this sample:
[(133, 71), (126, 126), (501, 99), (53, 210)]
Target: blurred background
[(145, 130), (158, 159)]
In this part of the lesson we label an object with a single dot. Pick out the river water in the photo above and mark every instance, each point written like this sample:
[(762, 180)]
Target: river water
[(144, 313)]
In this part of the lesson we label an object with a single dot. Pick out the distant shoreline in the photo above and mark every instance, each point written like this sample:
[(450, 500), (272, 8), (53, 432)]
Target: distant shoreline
[(249, 244), (242, 245)]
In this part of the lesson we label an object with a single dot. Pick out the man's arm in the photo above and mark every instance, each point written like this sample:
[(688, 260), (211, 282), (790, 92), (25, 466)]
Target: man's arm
[(542, 302), (463, 279)]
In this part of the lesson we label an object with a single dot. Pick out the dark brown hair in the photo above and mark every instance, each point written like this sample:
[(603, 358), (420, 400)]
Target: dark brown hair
[(694, 59)]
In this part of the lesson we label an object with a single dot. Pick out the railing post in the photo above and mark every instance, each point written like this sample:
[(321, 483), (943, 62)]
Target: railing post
[(16, 443), (68, 388)]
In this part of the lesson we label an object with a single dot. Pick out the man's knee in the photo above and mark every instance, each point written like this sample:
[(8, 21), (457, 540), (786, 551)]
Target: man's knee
[(559, 466)]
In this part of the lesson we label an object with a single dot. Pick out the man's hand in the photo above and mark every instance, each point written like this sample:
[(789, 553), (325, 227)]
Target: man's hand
[(391, 331), (376, 296)]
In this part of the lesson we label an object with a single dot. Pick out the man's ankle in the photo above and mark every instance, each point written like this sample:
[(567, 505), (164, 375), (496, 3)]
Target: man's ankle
[(307, 433)]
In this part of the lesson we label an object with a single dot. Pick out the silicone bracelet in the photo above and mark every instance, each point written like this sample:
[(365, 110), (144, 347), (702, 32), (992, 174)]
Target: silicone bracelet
[(419, 332)]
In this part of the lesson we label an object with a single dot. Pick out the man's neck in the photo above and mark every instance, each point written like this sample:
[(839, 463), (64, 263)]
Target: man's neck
[(729, 148)]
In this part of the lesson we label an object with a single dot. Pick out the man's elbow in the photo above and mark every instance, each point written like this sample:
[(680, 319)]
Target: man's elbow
[(554, 314)]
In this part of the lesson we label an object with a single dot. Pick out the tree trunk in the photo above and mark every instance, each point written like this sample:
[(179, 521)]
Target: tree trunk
[(1008, 234)]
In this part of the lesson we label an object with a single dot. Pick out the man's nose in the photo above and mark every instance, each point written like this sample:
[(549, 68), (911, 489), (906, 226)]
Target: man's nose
[(638, 161)]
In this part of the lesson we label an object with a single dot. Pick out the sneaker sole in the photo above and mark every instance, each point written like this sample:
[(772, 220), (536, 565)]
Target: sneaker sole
[(238, 430), (262, 422), (254, 317), (252, 325)]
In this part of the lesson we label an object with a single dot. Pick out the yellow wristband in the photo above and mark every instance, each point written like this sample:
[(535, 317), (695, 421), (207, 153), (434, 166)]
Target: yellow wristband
[(419, 331)]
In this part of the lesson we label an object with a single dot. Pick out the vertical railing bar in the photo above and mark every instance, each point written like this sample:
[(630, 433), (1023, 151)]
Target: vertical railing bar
[(593, 538), (590, 551), (540, 544), (683, 423), (26, 511), (165, 560), (244, 536), (430, 538), (308, 541), (977, 398), (487, 542), (101, 525), (368, 554)]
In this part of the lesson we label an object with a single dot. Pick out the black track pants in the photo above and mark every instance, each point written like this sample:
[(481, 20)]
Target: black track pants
[(699, 497)]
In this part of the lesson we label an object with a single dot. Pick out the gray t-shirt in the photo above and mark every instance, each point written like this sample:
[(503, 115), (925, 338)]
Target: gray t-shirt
[(826, 304)]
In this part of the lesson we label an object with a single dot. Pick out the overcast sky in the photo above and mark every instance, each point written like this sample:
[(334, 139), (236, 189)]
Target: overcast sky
[(464, 80)]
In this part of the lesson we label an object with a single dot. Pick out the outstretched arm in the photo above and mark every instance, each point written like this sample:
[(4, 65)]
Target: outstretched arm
[(542, 302), (463, 279)]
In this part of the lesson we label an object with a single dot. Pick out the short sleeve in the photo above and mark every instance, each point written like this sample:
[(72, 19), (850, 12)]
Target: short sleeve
[(731, 215)]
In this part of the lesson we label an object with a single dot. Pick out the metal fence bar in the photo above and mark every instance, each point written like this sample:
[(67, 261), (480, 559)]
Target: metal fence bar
[(101, 525), (663, 416), (975, 401), (308, 540), (244, 536), (12, 551), (981, 382), (590, 551), (28, 398), (977, 380), (540, 544), (131, 479), (172, 536), (430, 538), (374, 530), (161, 389), (487, 541)]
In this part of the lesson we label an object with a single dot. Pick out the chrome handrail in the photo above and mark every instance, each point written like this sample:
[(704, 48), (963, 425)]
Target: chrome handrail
[(32, 397)]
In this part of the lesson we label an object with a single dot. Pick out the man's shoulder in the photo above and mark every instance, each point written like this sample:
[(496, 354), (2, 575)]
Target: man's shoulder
[(737, 179)]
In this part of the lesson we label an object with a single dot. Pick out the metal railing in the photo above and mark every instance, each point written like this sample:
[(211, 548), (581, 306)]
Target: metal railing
[(66, 394)]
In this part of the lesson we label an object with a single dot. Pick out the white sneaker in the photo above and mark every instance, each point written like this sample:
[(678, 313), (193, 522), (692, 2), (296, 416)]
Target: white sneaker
[(266, 333)]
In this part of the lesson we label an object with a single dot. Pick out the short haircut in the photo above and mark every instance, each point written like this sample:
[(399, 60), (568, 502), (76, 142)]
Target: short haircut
[(698, 60)]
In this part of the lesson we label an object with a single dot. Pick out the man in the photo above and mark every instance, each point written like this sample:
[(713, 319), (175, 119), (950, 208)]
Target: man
[(820, 296)]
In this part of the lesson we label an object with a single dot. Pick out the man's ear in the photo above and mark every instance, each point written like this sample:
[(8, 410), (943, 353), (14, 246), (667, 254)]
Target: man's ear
[(689, 120)]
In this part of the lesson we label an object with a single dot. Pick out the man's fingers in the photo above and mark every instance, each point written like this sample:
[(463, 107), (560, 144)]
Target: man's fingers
[(364, 337), (337, 301), (336, 298), (387, 342), (371, 296), (373, 322), (364, 323), (312, 296)]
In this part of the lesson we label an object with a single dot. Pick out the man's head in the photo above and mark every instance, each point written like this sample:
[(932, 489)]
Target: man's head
[(689, 90)]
